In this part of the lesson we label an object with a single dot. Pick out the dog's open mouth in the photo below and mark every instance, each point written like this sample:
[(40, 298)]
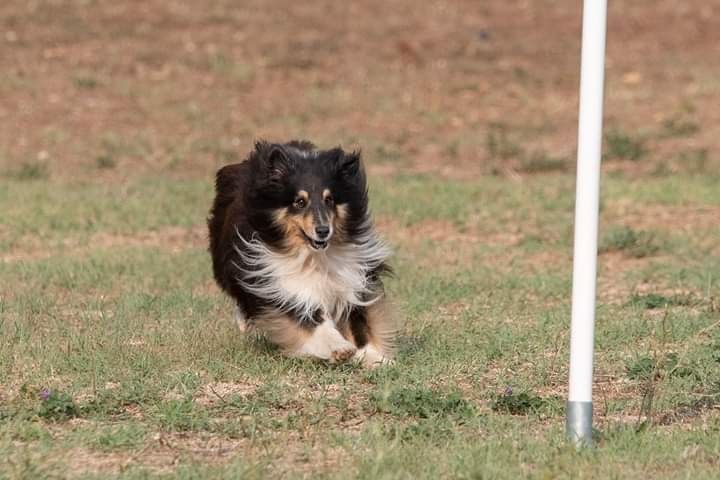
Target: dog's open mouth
[(316, 244)]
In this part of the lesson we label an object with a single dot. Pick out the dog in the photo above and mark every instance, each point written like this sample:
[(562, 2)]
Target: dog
[(293, 243)]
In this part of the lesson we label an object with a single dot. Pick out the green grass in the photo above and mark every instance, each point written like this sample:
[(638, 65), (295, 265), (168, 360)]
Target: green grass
[(634, 243), (679, 127), (119, 360), (621, 146), (71, 213), (85, 80), (105, 161), (30, 171)]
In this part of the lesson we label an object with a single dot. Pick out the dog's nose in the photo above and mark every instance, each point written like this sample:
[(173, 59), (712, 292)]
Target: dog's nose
[(322, 232)]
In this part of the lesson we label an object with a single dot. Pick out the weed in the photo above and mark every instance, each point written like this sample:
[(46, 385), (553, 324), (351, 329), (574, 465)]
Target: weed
[(384, 153), (620, 146), (541, 162), (421, 403), (694, 161), (645, 367), (652, 301), (85, 81), (453, 149), (641, 368), (637, 244), (120, 437), (524, 403), (181, 415), (500, 145), (56, 405), (677, 127), (32, 171), (105, 161), (115, 401)]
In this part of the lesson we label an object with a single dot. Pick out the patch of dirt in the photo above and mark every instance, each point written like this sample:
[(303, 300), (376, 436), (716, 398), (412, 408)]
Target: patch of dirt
[(83, 461), (677, 218), (453, 246), (298, 459), (174, 239), (164, 451), (429, 229), (613, 287), (219, 392), (687, 413), (104, 91), (452, 310), (548, 260), (161, 455)]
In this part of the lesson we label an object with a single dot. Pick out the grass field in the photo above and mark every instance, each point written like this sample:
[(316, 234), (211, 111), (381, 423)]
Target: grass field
[(118, 356), (117, 316)]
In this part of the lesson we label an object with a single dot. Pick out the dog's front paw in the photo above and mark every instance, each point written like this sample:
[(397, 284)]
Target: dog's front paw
[(342, 353), (371, 357), (327, 344)]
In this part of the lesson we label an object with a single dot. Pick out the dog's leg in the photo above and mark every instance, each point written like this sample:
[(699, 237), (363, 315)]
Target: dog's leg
[(327, 343), (240, 320), (374, 331), (321, 341)]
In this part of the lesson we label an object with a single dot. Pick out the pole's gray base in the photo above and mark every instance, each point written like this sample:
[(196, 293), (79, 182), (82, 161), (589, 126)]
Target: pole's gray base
[(578, 423)]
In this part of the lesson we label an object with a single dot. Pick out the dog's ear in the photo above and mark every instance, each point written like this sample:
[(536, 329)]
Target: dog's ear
[(348, 165), (275, 160)]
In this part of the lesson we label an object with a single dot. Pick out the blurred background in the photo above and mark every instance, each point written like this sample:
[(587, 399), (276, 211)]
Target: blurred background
[(103, 90)]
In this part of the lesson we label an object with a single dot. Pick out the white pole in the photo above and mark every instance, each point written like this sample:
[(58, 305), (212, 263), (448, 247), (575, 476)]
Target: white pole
[(579, 407)]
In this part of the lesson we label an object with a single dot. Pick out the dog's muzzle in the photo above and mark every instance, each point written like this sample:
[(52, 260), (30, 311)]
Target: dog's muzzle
[(321, 239)]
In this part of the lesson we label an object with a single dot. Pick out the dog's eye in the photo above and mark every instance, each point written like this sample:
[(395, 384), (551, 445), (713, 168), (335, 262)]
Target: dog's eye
[(300, 203), (329, 201)]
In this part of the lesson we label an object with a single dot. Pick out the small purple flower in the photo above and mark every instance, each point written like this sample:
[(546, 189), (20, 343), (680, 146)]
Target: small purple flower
[(508, 391), (45, 393)]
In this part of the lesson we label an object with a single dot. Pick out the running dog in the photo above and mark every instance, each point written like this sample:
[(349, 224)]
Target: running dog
[(293, 243)]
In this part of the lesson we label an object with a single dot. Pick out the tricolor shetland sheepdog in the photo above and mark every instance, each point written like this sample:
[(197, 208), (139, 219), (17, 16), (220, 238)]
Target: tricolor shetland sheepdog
[(292, 242)]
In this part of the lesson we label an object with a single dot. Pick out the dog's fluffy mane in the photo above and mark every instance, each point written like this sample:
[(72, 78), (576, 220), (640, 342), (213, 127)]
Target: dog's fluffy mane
[(305, 282)]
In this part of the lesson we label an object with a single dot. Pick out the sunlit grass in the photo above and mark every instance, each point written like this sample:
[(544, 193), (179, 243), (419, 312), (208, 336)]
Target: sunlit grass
[(136, 344)]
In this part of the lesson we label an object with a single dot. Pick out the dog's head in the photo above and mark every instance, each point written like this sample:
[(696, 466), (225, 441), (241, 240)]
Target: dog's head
[(308, 198)]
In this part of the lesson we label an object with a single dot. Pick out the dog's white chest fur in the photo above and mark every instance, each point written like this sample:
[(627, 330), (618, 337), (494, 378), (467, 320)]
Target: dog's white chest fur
[(322, 280), (331, 281)]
